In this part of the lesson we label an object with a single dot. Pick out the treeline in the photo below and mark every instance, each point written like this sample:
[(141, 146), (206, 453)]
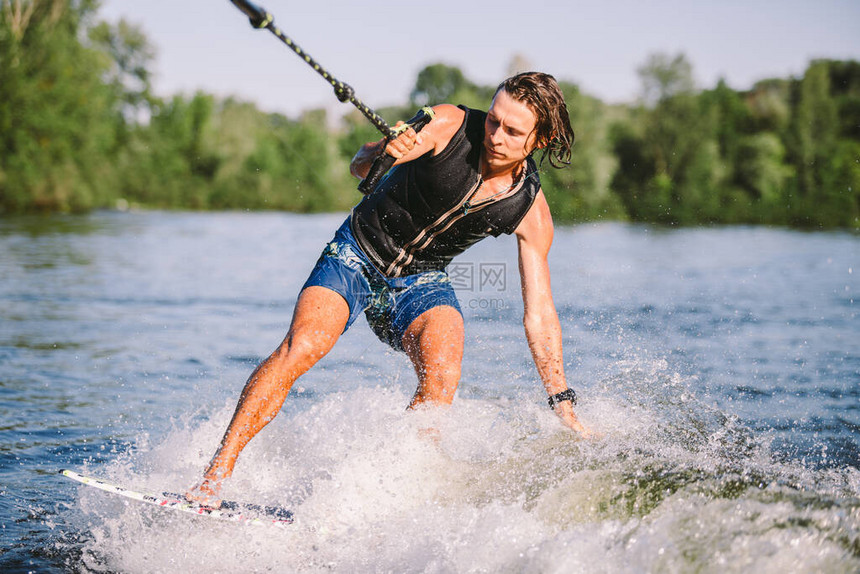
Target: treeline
[(785, 152), (80, 129)]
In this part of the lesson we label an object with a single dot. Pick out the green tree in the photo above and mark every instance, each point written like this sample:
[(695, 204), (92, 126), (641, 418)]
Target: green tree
[(440, 84), (664, 76), (437, 84), (580, 192), (769, 104), (128, 56), (680, 149), (170, 162), (841, 205), (295, 166), (731, 119), (762, 174), (845, 89), (634, 169), (55, 113), (815, 129)]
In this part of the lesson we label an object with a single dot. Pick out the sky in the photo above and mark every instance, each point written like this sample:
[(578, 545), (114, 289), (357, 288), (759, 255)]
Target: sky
[(378, 47)]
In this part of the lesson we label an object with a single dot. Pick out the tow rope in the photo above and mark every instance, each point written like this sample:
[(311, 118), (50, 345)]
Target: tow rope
[(261, 19)]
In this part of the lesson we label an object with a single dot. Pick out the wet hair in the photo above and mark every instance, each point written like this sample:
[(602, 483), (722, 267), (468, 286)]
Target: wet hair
[(541, 93)]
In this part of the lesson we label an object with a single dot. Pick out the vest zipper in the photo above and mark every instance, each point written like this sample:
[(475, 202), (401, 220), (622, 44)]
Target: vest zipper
[(442, 224)]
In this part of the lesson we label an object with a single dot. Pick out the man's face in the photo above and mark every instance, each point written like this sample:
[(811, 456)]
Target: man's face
[(508, 131)]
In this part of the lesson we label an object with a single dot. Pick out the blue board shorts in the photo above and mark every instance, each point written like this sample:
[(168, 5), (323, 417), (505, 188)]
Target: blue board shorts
[(389, 304)]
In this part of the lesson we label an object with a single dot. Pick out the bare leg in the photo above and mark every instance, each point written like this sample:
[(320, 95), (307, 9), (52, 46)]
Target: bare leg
[(318, 320), (434, 343)]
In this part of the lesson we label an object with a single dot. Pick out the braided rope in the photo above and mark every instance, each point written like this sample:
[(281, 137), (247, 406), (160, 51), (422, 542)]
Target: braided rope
[(342, 91)]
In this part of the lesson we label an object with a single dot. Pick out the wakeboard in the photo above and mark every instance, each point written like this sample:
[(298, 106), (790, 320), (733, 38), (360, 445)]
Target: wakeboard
[(233, 511)]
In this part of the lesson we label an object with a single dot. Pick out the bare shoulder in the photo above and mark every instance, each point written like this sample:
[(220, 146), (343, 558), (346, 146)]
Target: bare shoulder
[(448, 113), (536, 228), (448, 120)]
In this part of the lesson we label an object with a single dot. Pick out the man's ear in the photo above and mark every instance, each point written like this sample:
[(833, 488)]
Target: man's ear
[(539, 142)]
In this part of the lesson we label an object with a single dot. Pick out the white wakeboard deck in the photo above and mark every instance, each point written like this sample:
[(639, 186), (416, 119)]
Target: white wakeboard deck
[(232, 511)]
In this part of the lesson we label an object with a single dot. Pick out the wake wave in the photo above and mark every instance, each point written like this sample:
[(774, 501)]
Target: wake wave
[(674, 484)]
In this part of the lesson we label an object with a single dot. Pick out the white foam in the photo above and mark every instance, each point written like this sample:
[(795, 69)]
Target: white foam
[(496, 485)]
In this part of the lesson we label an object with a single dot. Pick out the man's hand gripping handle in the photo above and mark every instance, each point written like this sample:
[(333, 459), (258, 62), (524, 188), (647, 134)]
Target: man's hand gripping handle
[(383, 161)]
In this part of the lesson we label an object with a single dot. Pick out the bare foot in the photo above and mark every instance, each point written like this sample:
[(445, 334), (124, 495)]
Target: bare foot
[(205, 493), (430, 434)]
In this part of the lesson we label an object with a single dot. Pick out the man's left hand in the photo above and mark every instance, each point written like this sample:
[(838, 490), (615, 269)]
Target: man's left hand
[(564, 410)]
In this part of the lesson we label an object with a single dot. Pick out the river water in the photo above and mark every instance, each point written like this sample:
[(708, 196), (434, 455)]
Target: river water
[(722, 367)]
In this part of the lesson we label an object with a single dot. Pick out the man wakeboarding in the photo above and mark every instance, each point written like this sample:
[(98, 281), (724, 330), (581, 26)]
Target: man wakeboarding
[(466, 176)]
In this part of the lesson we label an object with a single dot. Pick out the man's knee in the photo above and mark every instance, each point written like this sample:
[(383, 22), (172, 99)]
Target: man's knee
[(438, 328), (301, 348), (434, 343)]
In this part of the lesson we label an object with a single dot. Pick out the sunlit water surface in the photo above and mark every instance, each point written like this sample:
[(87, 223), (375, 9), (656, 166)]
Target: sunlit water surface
[(721, 365)]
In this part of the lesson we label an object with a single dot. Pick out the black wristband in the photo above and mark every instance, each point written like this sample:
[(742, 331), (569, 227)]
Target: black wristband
[(565, 395)]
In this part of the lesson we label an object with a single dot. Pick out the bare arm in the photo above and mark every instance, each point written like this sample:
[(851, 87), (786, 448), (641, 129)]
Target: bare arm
[(540, 319), (410, 145)]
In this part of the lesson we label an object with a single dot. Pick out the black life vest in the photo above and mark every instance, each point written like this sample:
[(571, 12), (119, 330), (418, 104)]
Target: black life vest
[(420, 216)]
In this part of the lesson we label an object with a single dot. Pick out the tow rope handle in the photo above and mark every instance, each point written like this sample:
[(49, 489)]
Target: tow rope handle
[(258, 16), (383, 161)]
